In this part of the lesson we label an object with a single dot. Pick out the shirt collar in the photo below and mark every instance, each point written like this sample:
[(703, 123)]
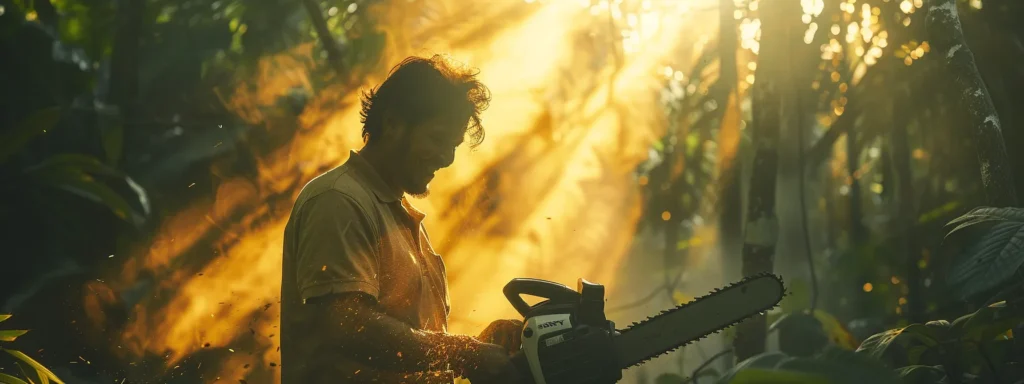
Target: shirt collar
[(374, 181)]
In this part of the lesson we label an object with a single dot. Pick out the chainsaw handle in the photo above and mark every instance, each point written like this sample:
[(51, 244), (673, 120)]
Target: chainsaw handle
[(523, 366), (555, 292)]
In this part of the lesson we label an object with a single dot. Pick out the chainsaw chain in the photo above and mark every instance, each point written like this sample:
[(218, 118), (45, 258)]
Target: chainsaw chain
[(714, 292)]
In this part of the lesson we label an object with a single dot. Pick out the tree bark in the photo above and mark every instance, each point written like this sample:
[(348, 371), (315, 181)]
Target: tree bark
[(857, 234), (124, 60), (947, 38), (907, 211), (761, 230), (730, 223), (124, 73)]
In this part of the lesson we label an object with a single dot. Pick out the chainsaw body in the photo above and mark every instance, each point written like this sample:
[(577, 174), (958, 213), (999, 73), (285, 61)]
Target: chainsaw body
[(566, 337)]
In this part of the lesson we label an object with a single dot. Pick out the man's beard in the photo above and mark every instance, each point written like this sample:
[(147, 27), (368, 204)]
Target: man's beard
[(412, 186), (421, 195)]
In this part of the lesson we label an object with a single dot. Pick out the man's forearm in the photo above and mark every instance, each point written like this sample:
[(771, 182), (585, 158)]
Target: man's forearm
[(381, 341)]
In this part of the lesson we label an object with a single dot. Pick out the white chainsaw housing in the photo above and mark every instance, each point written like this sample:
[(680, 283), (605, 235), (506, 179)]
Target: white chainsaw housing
[(541, 332)]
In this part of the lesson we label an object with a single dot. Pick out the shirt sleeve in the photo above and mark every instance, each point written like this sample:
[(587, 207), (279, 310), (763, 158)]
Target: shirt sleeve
[(337, 248)]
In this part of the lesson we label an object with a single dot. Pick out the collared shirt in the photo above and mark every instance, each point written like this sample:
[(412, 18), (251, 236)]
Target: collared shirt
[(349, 232)]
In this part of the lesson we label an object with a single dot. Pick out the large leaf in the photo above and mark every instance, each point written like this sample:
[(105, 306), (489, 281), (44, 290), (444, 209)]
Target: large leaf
[(44, 373), (766, 361), (670, 378), (982, 215), (835, 330), (36, 123), (897, 347), (833, 365), (992, 257), (75, 161), (111, 132), (922, 374), (762, 376), (11, 334), (989, 322), (8, 379), (844, 366), (74, 173)]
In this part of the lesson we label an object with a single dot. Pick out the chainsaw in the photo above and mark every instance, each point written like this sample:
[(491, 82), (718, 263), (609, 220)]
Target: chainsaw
[(566, 337)]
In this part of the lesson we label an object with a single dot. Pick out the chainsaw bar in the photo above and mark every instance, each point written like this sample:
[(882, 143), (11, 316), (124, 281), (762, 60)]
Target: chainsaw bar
[(686, 323)]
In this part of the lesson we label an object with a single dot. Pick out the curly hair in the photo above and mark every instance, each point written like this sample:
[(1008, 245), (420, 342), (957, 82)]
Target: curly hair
[(419, 89)]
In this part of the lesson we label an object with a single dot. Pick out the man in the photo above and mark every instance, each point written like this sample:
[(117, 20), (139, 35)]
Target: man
[(364, 296)]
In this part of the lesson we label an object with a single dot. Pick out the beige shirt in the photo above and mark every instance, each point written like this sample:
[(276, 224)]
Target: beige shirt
[(349, 232)]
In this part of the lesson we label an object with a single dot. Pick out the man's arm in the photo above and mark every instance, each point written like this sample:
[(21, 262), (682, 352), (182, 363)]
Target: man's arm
[(337, 265), (370, 337)]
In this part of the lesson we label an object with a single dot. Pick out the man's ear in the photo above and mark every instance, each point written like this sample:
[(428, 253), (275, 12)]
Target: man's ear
[(392, 128)]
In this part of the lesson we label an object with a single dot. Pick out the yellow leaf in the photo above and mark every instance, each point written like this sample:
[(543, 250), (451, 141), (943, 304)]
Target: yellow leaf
[(44, 373), (11, 334), (835, 330), (8, 379)]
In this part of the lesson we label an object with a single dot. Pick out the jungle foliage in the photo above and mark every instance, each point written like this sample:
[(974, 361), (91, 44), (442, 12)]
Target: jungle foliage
[(113, 114)]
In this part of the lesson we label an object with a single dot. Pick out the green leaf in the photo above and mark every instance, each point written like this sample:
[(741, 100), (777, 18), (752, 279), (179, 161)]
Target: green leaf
[(36, 123), (983, 214), (893, 346), (835, 330), (25, 370), (706, 372), (843, 366), (74, 162), (937, 213), (659, 146), (73, 173), (993, 250), (111, 133), (915, 353), (989, 322), (833, 365), (4, 317), (921, 374), (11, 334), (761, 376), (767, 361), (670, 378), (8, 379), (44, 373)]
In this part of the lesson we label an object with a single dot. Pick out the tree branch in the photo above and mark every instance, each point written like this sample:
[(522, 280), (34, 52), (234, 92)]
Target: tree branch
[(334, 54), (947, 38)]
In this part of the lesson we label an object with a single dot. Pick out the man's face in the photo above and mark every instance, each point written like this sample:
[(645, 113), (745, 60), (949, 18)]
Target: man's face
[(423, 149)]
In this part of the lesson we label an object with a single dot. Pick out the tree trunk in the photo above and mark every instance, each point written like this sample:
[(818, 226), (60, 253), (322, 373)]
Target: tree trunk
[(124, 60), (857, 234), (761, 230), (907, 211), (124, 72), (947, 38), (730, 222)]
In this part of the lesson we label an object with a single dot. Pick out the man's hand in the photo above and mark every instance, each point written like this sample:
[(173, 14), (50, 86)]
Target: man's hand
[(491, 364), (506, 333)]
